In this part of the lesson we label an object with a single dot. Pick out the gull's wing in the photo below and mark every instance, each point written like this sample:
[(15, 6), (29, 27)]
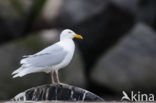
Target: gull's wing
[(50, 56)]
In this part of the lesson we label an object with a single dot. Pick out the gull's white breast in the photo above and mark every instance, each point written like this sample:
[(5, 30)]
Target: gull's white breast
[(68, 46)]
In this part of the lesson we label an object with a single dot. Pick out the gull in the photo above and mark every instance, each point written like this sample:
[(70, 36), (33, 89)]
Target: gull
[(50, 59)]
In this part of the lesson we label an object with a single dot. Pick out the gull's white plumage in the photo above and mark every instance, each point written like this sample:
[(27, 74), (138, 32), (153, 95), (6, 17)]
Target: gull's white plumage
[(50, 59)]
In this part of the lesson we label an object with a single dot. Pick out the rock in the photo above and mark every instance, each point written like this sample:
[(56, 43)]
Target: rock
[(56, 92), (76, 11), (130, 65), (51, 9), (142, 9), (128, 5), (100, 38)]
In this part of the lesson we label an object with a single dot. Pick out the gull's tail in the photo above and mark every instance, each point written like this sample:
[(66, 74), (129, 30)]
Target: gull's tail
[(26, 68), (22, 71)]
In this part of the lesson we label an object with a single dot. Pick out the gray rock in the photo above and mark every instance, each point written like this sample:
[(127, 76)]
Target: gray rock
[(76, 11), (131, 63), (51, 9), (143, 10), (56, 92), (129, 5)]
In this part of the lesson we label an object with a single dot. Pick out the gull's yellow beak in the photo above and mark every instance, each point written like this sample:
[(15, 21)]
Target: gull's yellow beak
[(78, 36)]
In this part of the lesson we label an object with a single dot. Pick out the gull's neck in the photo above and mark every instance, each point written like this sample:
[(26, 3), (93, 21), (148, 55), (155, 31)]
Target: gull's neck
[(67, 43), (64, 38)]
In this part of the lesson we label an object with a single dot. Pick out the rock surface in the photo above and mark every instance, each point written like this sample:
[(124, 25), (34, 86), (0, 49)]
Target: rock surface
[(130, 62), (56, 92)]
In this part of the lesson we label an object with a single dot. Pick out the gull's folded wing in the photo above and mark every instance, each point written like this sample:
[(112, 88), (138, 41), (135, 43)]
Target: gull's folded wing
[(50, 56)]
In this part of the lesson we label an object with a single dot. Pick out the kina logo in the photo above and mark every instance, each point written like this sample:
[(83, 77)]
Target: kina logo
[(137, 97)]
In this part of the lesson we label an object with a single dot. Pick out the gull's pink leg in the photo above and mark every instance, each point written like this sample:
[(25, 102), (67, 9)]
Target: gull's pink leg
[(57, 78), (52, 78)]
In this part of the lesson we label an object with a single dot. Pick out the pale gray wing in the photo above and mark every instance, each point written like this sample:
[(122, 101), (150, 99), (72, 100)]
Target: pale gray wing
[(54, 47), (50, 56)]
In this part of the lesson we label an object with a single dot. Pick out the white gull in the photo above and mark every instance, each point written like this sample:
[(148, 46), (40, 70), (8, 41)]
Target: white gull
[(50, 59)]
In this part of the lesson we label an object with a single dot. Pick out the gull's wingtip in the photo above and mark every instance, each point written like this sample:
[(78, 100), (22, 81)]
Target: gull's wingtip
[(16, 75), (14, 72)]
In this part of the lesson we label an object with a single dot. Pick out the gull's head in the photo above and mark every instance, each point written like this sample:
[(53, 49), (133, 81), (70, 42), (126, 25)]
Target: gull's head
[(69, 34)]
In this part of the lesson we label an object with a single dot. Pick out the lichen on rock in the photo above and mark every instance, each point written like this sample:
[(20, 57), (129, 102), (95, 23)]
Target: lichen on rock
[(56, 92)]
